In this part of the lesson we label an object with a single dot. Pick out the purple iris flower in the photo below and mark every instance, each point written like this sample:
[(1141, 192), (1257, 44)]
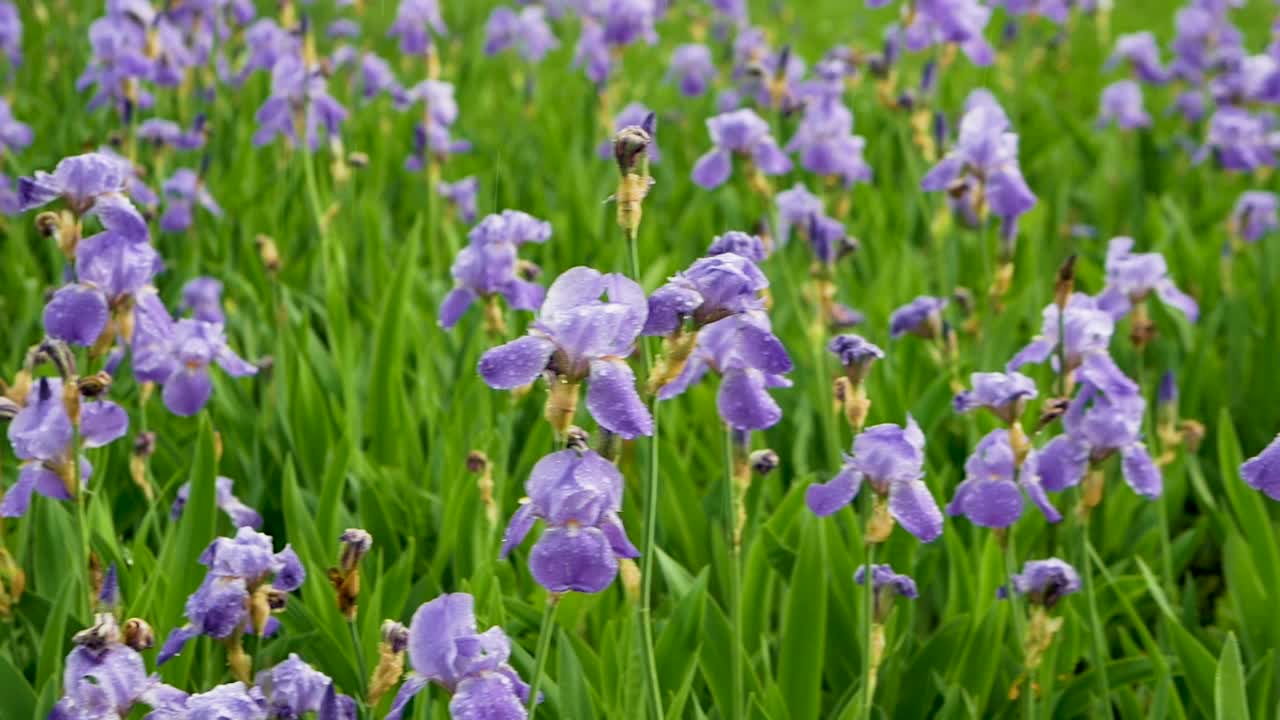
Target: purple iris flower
[(462, 194), (1203, 36), (940, 22), (488, 265), (829, 240), (266, 43), (1140, 51), (922, 317), (1044, 582), (750, 360), (178, 355), (884, 578), (41, 435), (577, 336), (1131, 277), (578, 496), (241, 569), (1122, 105), (445, 648), (376, 77), (734, 11), (748, 246), (692, 68), (14, 135), (293, 688), (171, 58), (991, 494), (1255, 214), (634, 114), (741, 132), (711, 289), (796, 209), (232, 700), (988, 151), (827, 146), (10, 32), (299, 101), (855, 352), (111, 268), (1252, 79), (345, 28), (414, 23), (1239, 140), (203, 297), (182, 191), (1190, 104), (625, 21), (134, 184), (119, 62), (434, 140), (1262, 472), (1004, 394), (592, 53), (527, 32), (82, 180), (1104, 418), (432, 136), (105, 678), (241, 515), (1088, 332), (166, 133), (891, 459)]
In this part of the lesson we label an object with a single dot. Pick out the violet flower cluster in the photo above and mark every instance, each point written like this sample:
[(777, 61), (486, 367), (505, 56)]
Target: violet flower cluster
[(488, 266)]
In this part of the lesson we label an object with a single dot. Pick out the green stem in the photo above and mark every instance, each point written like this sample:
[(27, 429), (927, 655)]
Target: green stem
[(82, 522), (650, 518), (1019, 624), (735, 579), (1096, 627), (544, 649), (359, 653), (869, 593)]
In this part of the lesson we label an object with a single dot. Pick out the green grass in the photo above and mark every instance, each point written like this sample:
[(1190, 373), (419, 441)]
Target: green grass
[(369, 410)]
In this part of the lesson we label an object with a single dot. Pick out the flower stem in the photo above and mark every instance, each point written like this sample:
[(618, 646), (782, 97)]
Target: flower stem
[(650, 516), (735, 579), (363, 676), (82, 522), (1019, 627), (868, 675), (1096, 627), (544, 649)]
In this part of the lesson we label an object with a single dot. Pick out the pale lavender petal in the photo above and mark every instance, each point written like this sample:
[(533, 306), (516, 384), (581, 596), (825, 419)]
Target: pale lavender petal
[(826, 498), (77, 314), (187, 391), (516, 363), (613, 401), (743, 401), (712, 169), (915, 509), (1140, 472)]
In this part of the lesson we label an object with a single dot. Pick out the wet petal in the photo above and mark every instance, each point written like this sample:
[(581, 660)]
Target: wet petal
[(578, 559), (1140, 472), (517, 529), (516, 363), (826, 498), (993, 504), (1262, 472), (744, 403), (915, 509), (1062, 463), (187, 391), (454, 304), (712, 169), (77, 314), (413, 684), (613, 401), (101, 422)]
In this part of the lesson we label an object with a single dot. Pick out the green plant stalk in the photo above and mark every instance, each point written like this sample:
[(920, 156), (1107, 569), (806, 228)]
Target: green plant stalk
[(869, 594), (82, 523), (650, 515), (363, 672), (1096, 628), (735, 578), (544, 649), (1019, 624)]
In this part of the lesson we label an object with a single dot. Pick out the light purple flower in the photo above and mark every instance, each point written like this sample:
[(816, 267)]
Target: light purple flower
[(634, 114), (991, 494), (744, 133), (238, 569), (10, 32), (884, 579), (592, 54), (376, 77), (692, 68), (489, 266), (1239, 140), (293, 688), (1254, 214), (232, 700), (828, 239), (104, 678), (414, 23), (1104, 418), (750, 360), (178, 355), (1140, 51), (81, 181), (1131, 277), (267, 43), (527, 32), (711, 288), (462, 194), (748, 246), (578, 496), (241, 515), (446, 648), (827, 146), (921, 317), (959, 22), (855, 353), (1262, 472), (1088, 331), (987, 151), (182, 191), (41, 436), (203, 297), (796, 209), (577, 336), (14, 135), (891, 459), (299, 102), (118, 63), (1044, 582), (166, 133), (1004, 394), (1122, 105)]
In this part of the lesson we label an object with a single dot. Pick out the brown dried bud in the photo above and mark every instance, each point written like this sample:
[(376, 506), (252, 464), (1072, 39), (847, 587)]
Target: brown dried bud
[(269, 253), (56, 353), (102, 633), (1192, 434), (48, 224), (358, 160), (94, 385), (577, 439), (145, 444), (395, 635), (528, 270), (1066, 282), (8, 408), (764, 461), (631, 145), (477, 462), (138, 634)]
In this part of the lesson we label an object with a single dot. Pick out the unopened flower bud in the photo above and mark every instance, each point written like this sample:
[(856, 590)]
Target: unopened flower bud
[(269, 253), (629, 573), (395, 638), (577, 439), (764, 461), (138, 634), (48, 224), (477, 462), (1065, 283), (358, 160), (102, 633), (356, 543), (395, 635), (95, 385), (631, 145), (8, 408), (56, 353)]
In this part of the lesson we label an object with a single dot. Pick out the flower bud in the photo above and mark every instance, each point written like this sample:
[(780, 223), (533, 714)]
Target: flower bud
[(1065, 283), (477, 462), (48, 224), (631, 146), (577, 439), (95, 385), (269, 253), (8, 408), (56, 353), (395, 638), (630, 575), (102, 633), (356, 543), (138, 634), (395, 635)]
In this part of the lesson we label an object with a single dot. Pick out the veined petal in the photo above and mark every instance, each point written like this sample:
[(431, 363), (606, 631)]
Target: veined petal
[(613, 401), (743, 401), (826, 498), (516, 363), (915, 509)]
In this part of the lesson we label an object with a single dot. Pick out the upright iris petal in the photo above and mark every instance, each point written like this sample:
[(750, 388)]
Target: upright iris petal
[(742, 133), (1131, 277), (991, 494), (1262, 472)]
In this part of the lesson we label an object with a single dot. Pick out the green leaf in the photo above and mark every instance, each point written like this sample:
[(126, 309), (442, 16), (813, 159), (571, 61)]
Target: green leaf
[(804, 632), (681, 640), (1229, 699), (575, 701), (19, 696)]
